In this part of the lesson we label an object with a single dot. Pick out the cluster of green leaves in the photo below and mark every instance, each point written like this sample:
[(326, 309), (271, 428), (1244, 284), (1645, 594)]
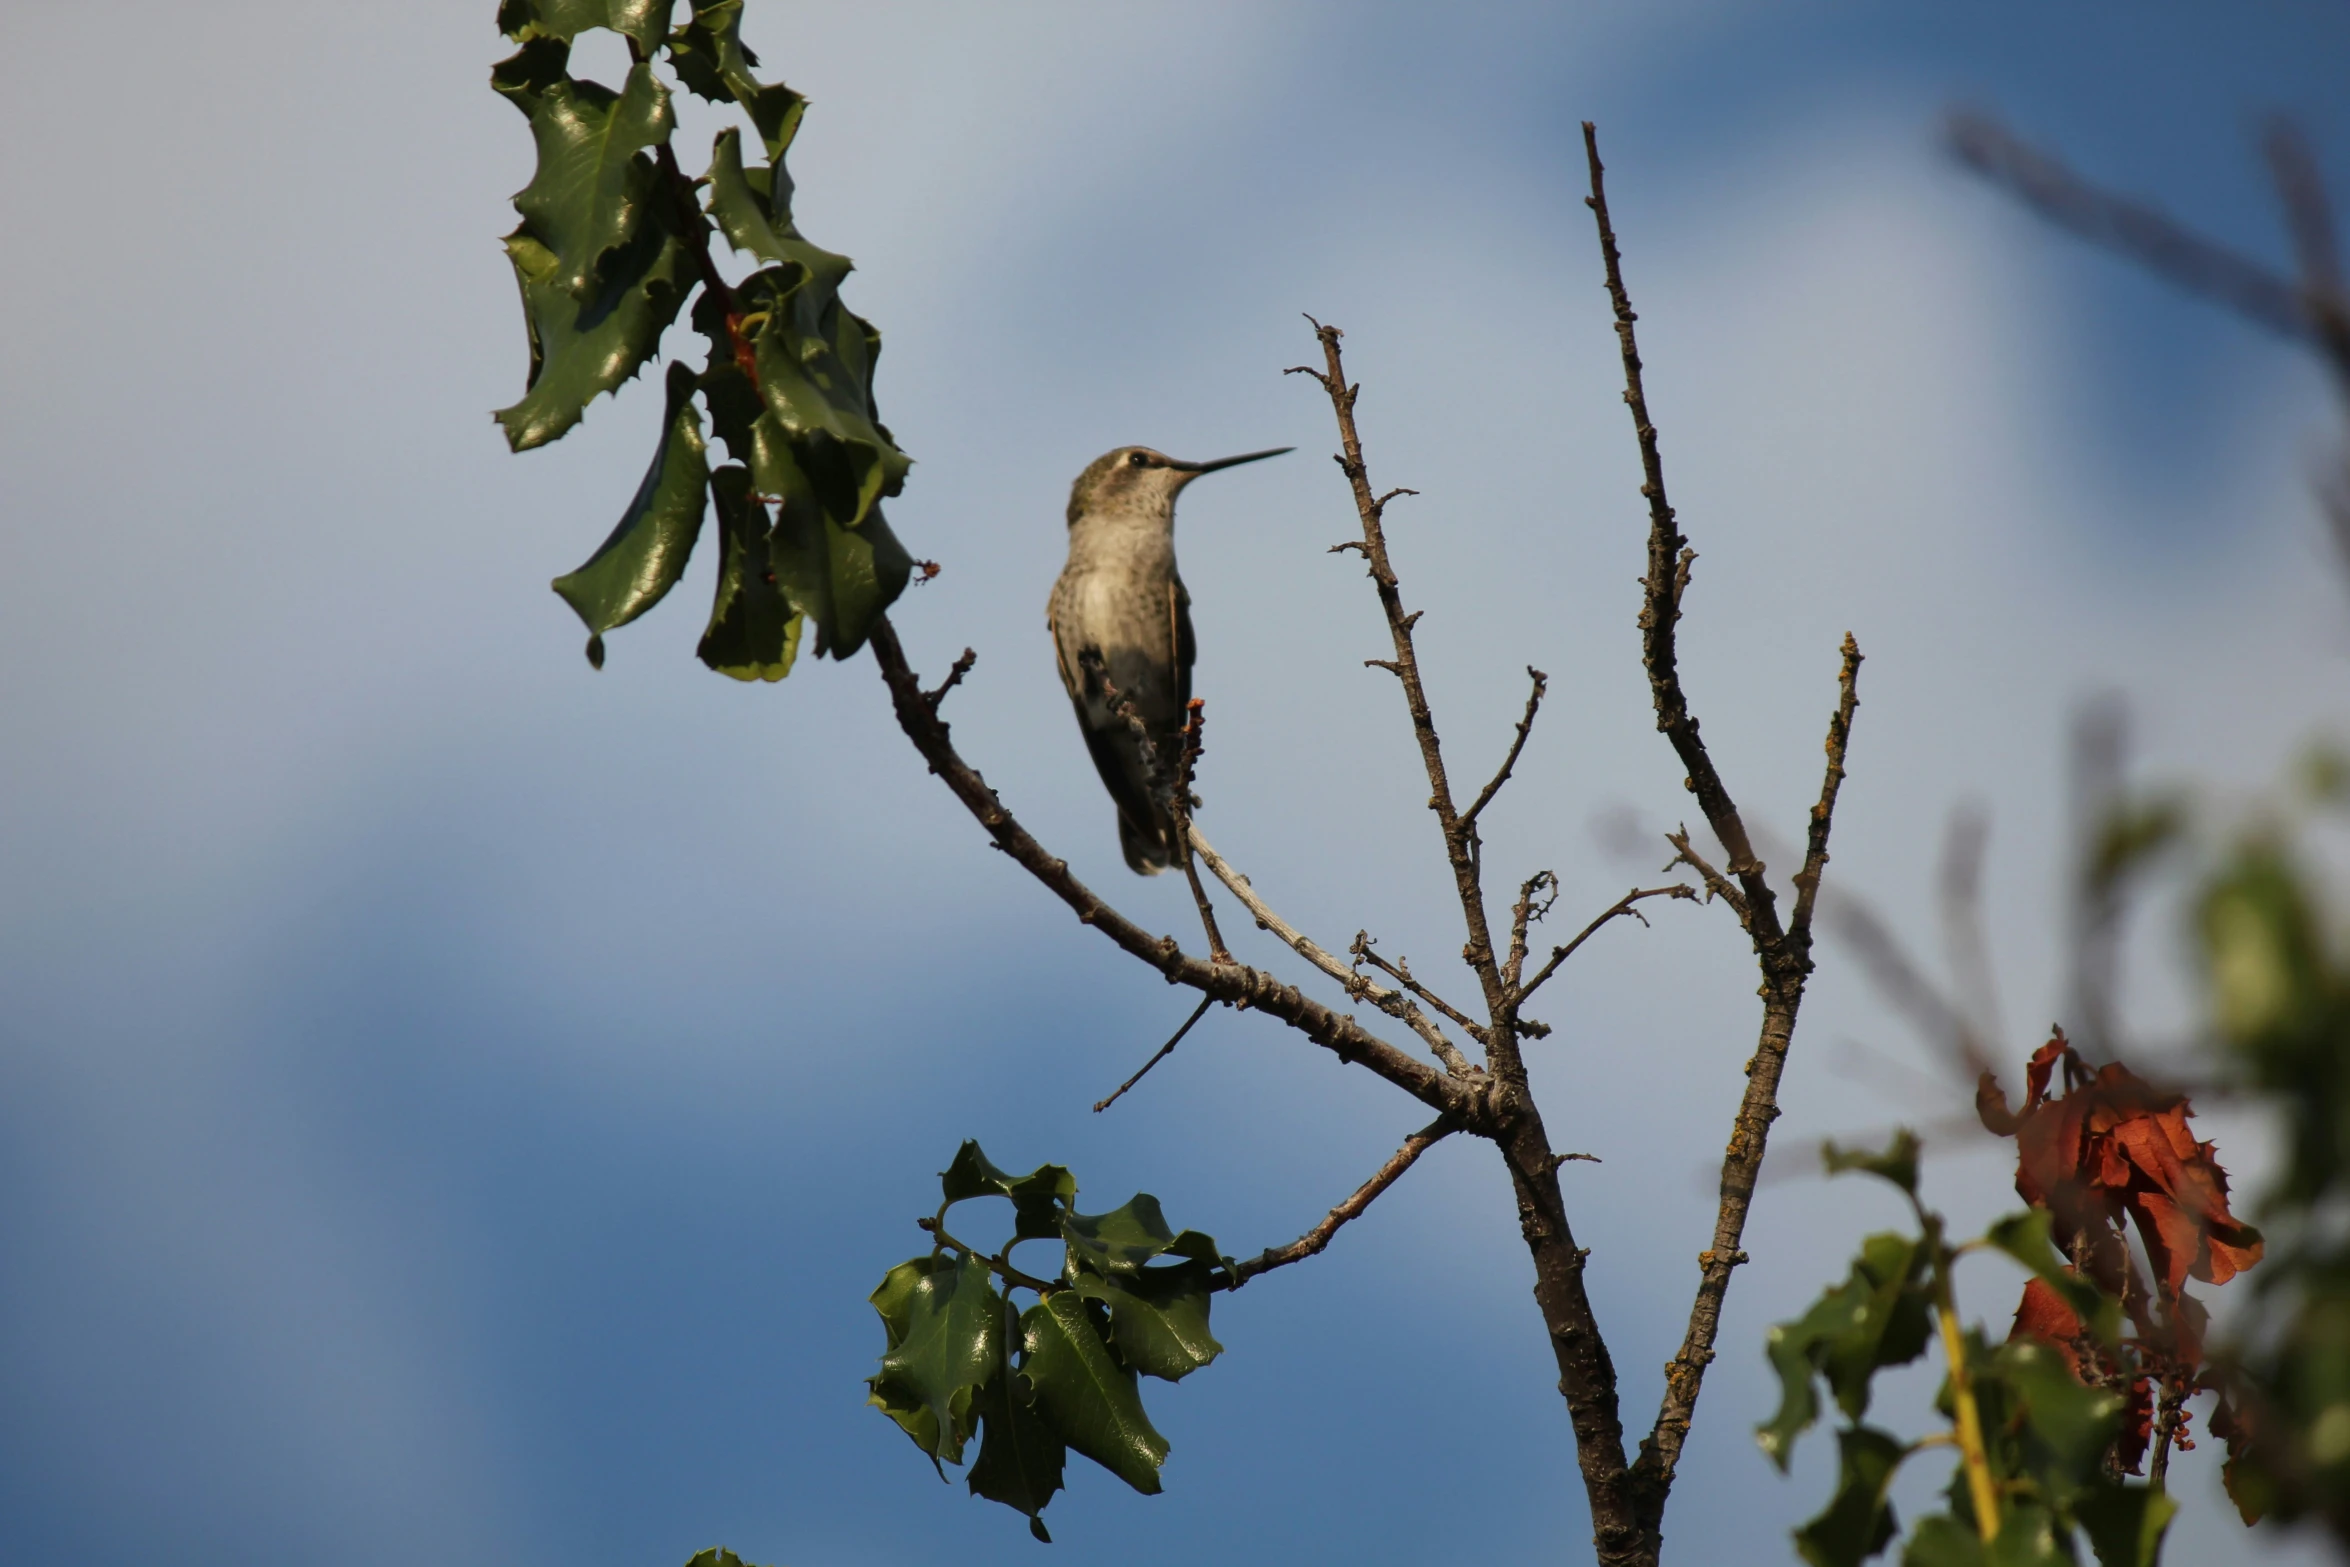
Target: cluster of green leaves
[(1130, 1300), (2045, 1440), (2277, 963), (614, 239)]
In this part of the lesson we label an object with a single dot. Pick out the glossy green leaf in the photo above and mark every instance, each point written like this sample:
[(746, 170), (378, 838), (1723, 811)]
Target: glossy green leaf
[(893, 1298), (579, 352), (593, 186), (1858, 1521), (1038, 1197), (647, 551), (754, 213), (598, 259), (753, 634), (642, 20), (1090, 1400), (1020, 1458), (814, 362), (1124, 1239), (1158, 1317), (841, 579), (2027, 1238), (1898, 1163), (1877, 1317), (952, 1342), (2125, 1523), (709, 56)]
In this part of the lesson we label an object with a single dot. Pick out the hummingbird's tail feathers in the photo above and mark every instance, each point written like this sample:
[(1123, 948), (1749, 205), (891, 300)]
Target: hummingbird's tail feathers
[(1148, 850)]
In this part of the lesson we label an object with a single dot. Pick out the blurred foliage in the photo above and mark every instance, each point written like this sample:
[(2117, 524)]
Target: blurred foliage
[(2276, 962), (2036, 1444), (1130, 1300), (614, 240)]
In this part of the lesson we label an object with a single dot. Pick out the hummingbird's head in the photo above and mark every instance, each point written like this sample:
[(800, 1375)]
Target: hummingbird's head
[(1135, 479)]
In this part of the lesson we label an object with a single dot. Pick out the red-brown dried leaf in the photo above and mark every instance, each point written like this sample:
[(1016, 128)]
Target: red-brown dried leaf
[(2137, 1433), (2113, 1145), (2043, 1315)]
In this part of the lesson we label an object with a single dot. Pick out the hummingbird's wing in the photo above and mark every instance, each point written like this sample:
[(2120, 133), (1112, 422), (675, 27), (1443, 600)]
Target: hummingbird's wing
[(1100, 679)]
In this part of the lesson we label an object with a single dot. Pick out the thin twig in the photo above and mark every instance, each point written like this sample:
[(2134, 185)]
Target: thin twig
[(1623, 905), (1236, 983), (1716, 884), (1313, 952), (1459, 835), (1194, 728), (1401, 971), (1530, 910), (2200, 265), (1823, 814), (1164, 1051), (962, 667), (1965, 940), (1312, 1242), (1525, 728)]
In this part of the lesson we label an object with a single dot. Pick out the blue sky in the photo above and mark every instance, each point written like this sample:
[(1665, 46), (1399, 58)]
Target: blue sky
[(452, 1104)]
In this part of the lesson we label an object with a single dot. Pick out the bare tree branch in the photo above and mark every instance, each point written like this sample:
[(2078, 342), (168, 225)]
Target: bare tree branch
[(1311, 1243), (1236, 983), (1363, 952), (1627, 904), (1525, 728), (1782, 953), (1313, 952), (1161, 1054), (2309, 214), (1587, 1376), (961, 667), (1460, 835), (2200, 265), (1815, 854)]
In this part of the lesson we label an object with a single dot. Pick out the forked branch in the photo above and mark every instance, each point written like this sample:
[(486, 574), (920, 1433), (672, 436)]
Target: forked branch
[(1783, 953), (1235, 983)]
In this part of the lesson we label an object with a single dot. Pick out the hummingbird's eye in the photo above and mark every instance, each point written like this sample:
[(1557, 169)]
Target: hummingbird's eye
[(1138, 460)]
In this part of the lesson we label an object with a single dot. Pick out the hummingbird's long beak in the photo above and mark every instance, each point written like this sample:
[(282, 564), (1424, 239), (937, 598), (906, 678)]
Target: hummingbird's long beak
[(1197, 468)]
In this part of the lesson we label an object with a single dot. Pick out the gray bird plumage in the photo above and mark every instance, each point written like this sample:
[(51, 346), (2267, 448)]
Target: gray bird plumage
[(1119, 614)]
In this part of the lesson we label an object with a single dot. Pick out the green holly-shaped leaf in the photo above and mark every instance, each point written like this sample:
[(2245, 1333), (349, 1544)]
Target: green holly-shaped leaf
[(647, 551), (753, 634), (1121, 1241), (643, 21), (1038, 1198), (594, 185), (1158, 1317), (600, 264), (1020, 1457), (710, 57), (1089, 1399), (947, 1338), (1878, 1317), (753, 210), (1858, 1521)]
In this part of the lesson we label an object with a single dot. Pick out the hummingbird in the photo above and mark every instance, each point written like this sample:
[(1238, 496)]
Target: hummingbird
[(1121, 625)]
